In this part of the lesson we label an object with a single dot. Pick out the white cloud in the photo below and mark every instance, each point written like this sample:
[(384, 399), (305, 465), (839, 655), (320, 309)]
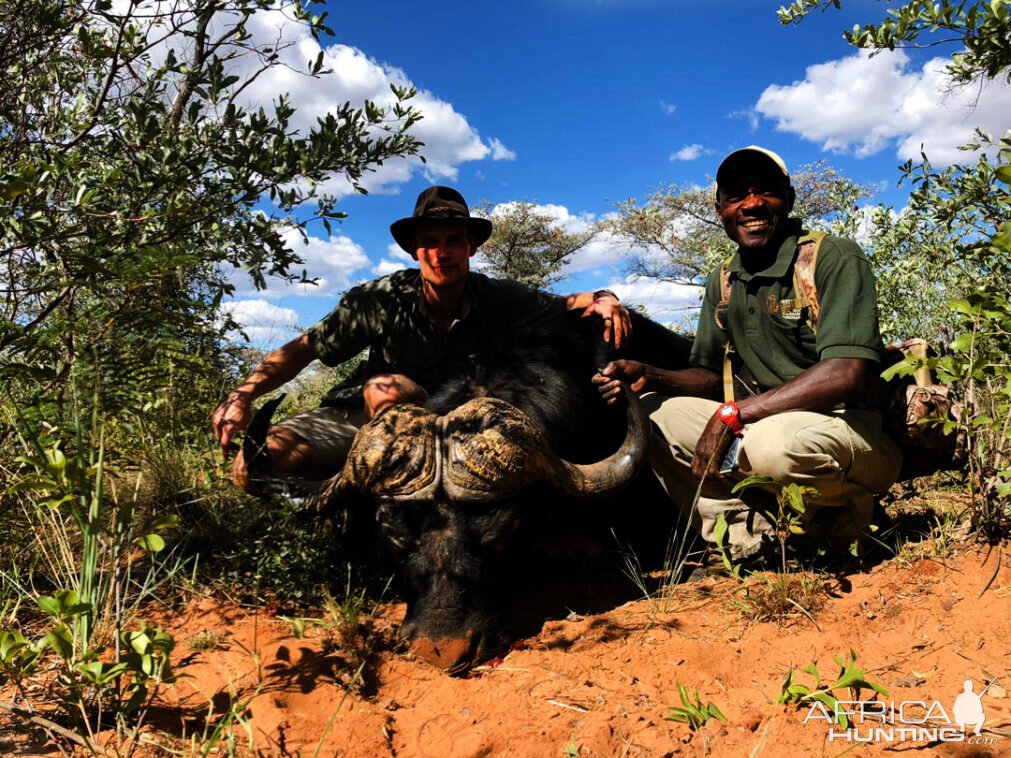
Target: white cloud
[(573, 223), (332, 262), (604, 254), (265, 324), (867, 104), (395, 260), (499, 152), (688, 153), (665, 302), (749, 115), (603, 250), (667, 108), (449, 138)]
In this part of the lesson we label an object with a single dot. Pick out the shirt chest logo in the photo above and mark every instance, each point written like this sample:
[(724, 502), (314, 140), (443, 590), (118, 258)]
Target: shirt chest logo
[(790, 309)]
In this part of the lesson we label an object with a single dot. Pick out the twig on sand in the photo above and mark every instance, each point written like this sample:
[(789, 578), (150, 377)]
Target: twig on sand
[(576, 708), (49, 726), (996, 571), (762, 692)]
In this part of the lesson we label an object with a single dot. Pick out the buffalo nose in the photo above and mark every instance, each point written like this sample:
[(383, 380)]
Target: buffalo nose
[(451, 654)]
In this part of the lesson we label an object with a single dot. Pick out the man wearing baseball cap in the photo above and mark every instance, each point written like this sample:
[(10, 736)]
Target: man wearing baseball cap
[(415, 323), (790, 398)]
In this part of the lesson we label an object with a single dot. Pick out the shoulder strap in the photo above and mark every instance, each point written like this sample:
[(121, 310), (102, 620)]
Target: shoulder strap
[(722, 316), (804, 288), (721, 312)]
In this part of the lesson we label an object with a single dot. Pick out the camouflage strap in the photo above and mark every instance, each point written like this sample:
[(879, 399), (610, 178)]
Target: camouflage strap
[(804, 288)]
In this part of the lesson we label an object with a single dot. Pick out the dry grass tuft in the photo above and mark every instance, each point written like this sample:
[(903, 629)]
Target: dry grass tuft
[(778, 597)]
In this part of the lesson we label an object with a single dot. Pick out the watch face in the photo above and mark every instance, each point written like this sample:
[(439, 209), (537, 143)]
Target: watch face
[(727, 411)]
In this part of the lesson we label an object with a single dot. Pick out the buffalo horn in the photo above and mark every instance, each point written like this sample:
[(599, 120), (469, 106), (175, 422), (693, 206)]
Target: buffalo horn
[(615, 471)]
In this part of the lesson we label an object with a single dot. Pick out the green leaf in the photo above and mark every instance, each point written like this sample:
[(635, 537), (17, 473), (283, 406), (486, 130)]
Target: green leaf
[(139, 641), (963, 307), (1002, 239), (60, 640), (153, 543), (755, 481), (1004, 174), (716, 713), (162, 521), (684, 695), (49, 605), (963, 343), (98, 672), (720, 528), (54, 503), (831, 704), (137, 697)]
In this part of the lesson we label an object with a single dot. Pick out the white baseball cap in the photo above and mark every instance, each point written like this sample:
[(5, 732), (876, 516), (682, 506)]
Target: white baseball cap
[(727, 163)]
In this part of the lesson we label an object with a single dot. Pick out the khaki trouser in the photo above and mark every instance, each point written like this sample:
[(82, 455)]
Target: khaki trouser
[(331, 432), (844, 454)]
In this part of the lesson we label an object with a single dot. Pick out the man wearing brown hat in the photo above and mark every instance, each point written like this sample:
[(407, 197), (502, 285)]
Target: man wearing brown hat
[(767, 394), (416, 323)]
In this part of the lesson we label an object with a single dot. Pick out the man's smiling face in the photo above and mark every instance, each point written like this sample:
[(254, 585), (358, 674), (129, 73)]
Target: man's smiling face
[(754, 203)]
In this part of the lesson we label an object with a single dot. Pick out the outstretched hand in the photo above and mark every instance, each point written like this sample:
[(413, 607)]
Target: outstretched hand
[(617, 322), (609, 379), (233, 415)]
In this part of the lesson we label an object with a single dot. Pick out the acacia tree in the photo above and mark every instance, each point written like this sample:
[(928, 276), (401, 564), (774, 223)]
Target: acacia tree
[(953, 241), (527, 243), (981, 29), (133, 176), (680, 239)]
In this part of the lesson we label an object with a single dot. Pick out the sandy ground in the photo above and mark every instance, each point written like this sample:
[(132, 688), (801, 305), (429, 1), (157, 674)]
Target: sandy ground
[(597, 675), (602, 684)]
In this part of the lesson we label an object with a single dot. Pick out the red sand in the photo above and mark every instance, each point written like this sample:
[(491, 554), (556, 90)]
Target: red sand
[(601, 685)]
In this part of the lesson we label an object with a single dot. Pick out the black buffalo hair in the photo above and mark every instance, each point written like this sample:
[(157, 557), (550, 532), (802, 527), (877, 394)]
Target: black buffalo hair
[(544, 367)]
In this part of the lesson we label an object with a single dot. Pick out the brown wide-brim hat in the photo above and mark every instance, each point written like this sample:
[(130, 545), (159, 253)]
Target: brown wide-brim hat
[(439, 204)]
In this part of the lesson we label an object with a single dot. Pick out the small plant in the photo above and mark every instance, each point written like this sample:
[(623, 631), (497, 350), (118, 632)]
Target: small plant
[(91, 541), (219, 735), (788, 517), (572, 750), (206, 640), (722, 544), (942, 536), (775, 597), (658, 587), (976, 364), (850, 678), (350, 629), (696, 713), (18, 659)]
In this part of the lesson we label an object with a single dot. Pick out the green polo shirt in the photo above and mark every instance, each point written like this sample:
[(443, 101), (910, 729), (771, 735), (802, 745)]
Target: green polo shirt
[(776, 344), (387, 316)]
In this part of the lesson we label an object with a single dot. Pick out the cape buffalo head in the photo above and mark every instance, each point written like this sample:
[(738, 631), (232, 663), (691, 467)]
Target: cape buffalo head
[(450, 490)]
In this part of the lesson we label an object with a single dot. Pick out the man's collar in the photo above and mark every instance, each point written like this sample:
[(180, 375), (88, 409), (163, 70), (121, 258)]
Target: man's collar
[(468, 303), (780, 265)]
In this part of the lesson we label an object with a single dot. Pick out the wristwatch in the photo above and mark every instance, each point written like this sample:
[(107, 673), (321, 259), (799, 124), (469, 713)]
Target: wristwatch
[(730, 415)]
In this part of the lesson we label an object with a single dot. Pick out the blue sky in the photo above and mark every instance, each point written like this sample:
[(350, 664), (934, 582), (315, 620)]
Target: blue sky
[(578, 104)]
